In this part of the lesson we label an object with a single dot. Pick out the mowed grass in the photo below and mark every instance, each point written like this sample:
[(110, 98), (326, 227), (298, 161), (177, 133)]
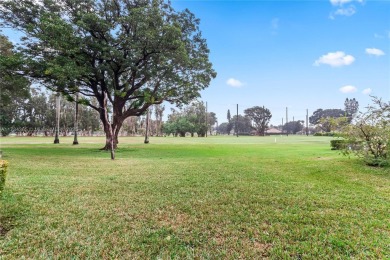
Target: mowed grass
[(204, 198)]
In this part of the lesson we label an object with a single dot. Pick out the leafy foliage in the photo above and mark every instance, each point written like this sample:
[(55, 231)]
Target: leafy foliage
[(3, 174), (351, 108), (338, 144), (13, 86), (190, 119), (128, 55), (36, 114), (260, 117), (325, 115), (371, 132), (293, 126), (241, 125)]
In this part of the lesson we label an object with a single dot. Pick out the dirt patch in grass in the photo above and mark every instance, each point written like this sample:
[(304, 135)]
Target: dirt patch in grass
[(262, 248), (173, 220)]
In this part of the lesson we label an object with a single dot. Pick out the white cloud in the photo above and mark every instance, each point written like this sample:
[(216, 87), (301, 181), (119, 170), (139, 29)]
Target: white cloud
[(345, 7), (342, 2), (349, 11), (335, 59), (348, 89), (234, 83), (367, 91), (375, 52), (339, 2)]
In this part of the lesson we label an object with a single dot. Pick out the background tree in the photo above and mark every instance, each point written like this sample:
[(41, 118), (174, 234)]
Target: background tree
[(223, 128), (322, 114), (196, 115), (334, 123), (293, 127), (126, 55), (229, 126), (190, 119), (159, 112), (351, 108), (260, 117), (14, 88), (211, 121), (244, 125)]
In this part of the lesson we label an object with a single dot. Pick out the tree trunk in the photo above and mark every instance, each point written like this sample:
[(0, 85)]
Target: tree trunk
[(109, 129), (76, 127), (146, 141)]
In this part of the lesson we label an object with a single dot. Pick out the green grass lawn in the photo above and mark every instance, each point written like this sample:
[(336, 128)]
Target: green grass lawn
[(204, 198)]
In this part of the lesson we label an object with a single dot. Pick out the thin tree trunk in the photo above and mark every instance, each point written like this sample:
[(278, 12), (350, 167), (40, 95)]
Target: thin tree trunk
[(57, 129), (146, 141), (76, 128)]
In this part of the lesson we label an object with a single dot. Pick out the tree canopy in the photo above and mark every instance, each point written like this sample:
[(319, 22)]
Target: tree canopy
[(241, 124), (260, 117), (320, 114), (126, 54), (14, 87), (190, 119), (351, 108), (293, 126)]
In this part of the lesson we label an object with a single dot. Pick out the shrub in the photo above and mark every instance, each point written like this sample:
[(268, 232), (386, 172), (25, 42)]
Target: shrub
[(325, 134), (3, 174), (338, 144), (369, 136)]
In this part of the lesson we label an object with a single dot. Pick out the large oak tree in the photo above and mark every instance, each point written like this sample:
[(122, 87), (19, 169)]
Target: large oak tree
[(126, 54)]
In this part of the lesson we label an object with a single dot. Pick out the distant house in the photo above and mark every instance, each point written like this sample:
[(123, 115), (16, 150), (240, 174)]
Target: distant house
[(273, 131)]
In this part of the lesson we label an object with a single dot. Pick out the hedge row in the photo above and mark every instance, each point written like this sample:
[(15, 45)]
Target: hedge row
[(325, 134)]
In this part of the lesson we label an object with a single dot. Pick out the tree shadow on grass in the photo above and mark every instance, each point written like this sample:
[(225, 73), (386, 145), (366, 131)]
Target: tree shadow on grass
[(6, 224)]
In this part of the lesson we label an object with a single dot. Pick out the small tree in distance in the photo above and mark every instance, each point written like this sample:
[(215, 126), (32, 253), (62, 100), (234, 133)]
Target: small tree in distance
[(293, 127), (321, 118), (351, 108), (260, 117)]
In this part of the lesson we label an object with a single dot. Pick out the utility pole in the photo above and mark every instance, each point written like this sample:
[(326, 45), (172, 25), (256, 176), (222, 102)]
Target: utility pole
[(282, 125), (76, 123), (307, 122), (237, 122), (57, 130), (287, 120)]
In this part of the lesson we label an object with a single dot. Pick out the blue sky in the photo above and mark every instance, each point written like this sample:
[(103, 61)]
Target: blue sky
[(296, 54)]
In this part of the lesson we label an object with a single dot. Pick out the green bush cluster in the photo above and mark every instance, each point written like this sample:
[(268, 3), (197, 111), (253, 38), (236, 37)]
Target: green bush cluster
[(325, 134), (3, 174), (338, 144)]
